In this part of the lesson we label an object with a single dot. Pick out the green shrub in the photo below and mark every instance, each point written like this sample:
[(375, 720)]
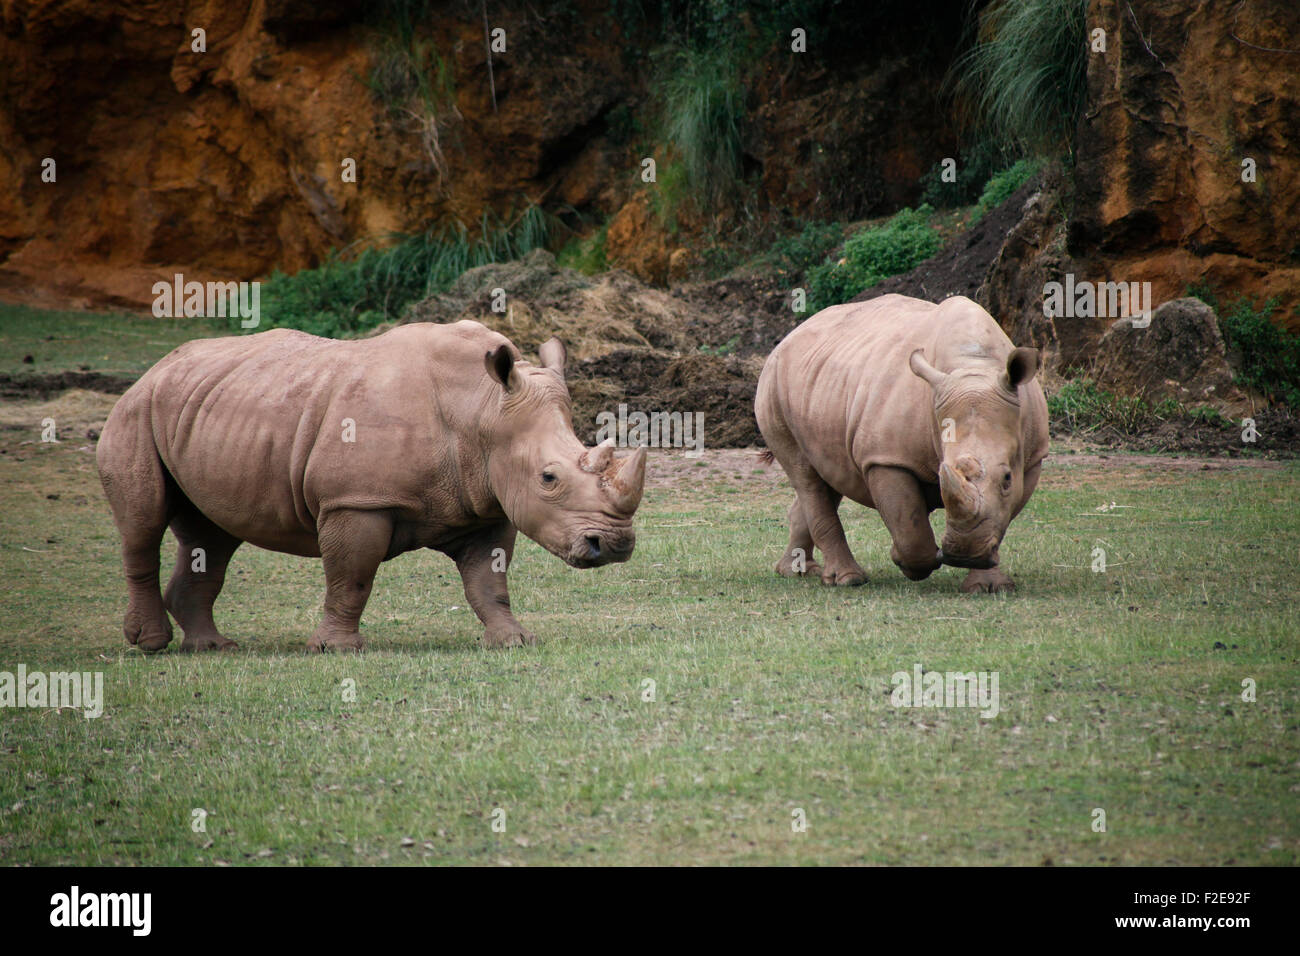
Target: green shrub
[(795, 255), (874, 254), (1001, 185), (1270, 354), (346, 295), (587, 254), (1024, 80), (974, 168)]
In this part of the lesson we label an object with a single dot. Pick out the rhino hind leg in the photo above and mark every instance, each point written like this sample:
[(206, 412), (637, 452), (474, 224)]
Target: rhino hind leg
[(798, 560), (202, 554), (141, 495), (482, 563), (820, 504), (898, 497), (352, 545)]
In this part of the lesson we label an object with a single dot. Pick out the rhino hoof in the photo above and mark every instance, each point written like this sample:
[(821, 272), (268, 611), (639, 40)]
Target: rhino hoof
[(336, 642), (991, 581), (508, 637), (785, 568), (191, 645), (845, 579)]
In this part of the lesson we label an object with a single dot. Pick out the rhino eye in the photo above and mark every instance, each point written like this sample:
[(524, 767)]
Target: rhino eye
[(548, 478)]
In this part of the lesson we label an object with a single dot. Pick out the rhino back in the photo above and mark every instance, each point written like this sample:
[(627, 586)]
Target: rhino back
[(255, 429), (842, 384)]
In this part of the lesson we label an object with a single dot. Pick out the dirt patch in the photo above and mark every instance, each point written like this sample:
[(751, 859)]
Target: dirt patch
[(1276, 436), (47, 386)]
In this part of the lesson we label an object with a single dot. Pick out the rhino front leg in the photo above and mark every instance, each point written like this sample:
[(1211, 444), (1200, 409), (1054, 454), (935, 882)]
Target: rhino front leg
[(898, 498), (482, 562), (352, 545), (798, 558)]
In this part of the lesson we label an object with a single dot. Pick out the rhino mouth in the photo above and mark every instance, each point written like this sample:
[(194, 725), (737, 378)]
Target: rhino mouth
[(978, 562), (593, 549)]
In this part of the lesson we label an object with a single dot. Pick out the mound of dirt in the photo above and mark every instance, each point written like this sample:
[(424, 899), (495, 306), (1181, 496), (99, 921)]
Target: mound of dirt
[(55, 383), (1276, 435), (534, 298)]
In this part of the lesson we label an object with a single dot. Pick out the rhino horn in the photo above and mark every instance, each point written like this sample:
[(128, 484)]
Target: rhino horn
[(596, 460), (959, 494), (627, 482)]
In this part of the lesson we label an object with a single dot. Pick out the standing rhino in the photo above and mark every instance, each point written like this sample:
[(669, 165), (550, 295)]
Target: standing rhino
[(904, 406), (428, 436)]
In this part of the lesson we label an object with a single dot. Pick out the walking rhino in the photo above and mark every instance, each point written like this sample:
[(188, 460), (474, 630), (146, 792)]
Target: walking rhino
[(904, 406), (427, 436)]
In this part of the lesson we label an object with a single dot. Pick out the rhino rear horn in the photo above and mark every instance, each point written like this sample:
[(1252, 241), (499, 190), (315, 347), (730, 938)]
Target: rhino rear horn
[(553, 355), (627, 484), (923, 369), (595, 460)]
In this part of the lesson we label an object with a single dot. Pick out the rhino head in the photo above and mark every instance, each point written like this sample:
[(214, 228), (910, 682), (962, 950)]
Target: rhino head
[(575, 502), (981, 469)]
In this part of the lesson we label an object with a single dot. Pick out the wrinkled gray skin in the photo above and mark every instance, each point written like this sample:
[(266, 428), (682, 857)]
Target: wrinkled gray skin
[(853, 403), (457, 443)]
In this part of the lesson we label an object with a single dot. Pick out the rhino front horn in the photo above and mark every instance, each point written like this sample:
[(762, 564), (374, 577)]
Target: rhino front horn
[(626, 484)]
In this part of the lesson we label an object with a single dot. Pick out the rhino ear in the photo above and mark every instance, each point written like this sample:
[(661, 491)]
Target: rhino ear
[(1022, 366), (923, 369), (500, 365), (553, 355)]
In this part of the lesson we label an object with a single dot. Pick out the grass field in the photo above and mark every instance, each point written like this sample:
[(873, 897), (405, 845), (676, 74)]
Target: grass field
[(1119, 690)]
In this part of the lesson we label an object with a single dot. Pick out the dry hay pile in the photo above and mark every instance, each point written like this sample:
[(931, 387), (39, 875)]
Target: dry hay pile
[(628, 344)]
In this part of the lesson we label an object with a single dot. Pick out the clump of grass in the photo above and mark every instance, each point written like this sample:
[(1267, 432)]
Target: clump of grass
[(350, 294), (795, 255), (587, 254), (703, 104), (975, 165), (1024, 80), (1270, 354), (872, 255), (1001, 185), (1081, 406)]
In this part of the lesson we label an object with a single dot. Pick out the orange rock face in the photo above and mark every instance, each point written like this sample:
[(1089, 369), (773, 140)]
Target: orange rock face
[(1189, 103)]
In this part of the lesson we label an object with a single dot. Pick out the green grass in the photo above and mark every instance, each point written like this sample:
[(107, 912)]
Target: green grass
[(349, 294), (1024, 81), (1001, 185), (771, 694), (873, 254), (112, 343), (1082, 406)]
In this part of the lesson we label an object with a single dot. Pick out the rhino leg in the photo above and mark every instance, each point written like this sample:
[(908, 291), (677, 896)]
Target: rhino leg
[(820, 505), (352, 545), (190, 594), (897, 495), (142, 496), (482, 562), (801, 542)]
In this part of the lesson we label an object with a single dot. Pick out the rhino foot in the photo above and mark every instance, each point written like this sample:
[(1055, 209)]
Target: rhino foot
[(320, 643), (510, 635), (848, 578), (987, 581), (211, 642), (151, 637)]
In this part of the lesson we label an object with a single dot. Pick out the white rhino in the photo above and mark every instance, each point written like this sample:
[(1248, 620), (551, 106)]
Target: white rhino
[(904, 406), (428, 436)]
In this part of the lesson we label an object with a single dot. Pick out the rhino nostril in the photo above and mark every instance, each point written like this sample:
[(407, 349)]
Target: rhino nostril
[(593, 543)]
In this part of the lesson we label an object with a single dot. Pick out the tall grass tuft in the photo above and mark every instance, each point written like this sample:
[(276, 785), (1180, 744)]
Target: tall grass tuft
[(703, 103), (348, 294), (1024, 80)]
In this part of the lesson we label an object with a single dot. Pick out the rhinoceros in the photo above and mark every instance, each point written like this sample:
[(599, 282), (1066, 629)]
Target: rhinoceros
[(427, 436), (906, 407)]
